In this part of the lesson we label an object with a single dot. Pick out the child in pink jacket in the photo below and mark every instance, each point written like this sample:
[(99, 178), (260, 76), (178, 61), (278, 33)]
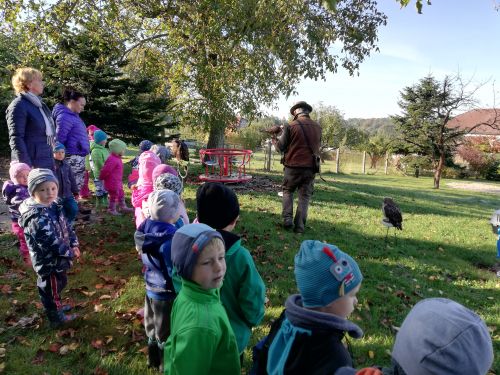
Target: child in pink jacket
[(147, 163), (112, 175)]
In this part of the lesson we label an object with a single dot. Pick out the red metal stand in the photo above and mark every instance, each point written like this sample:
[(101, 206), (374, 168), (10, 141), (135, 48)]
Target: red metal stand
[(225, 164)]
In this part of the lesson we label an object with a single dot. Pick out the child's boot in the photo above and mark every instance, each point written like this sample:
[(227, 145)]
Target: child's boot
[(112, 208), (58, 318), (154, 359), (123, 206)]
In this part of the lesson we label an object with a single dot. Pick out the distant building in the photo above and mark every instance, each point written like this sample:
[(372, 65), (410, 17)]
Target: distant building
[(482, 133), (478, 116)]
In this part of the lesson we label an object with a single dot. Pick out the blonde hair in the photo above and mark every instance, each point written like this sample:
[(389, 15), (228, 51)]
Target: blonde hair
[(23, 77), (214, 243)]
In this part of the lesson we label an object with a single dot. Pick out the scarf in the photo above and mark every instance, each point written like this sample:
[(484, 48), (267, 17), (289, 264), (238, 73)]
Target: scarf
[(47, 117)]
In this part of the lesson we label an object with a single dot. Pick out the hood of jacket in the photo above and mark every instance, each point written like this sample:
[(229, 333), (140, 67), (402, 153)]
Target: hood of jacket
[(152, 234), (60, 109), (147, 162), (315, 321), (30, 208)]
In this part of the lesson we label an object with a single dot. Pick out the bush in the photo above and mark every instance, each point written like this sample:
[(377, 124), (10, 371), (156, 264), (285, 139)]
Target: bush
[(479, 163)]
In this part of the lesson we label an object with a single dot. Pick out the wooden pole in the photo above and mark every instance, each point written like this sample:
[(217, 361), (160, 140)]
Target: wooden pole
[(386, 161), (363, 169), (337, 162), (269, 151)]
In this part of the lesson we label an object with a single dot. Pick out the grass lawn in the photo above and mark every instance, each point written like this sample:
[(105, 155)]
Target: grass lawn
[(447, 249)]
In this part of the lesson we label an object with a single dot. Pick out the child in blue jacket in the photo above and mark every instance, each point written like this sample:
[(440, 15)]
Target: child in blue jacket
[(52, 242), (68, 190), (153, 240)]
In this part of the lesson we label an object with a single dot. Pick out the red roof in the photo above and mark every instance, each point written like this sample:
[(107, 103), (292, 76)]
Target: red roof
[(477, 116)]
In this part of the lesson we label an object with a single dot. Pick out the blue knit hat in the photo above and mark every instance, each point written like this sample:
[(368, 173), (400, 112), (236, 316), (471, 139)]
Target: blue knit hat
[(187, 244), (100, 136), (58, 147), (145, 145), (324, 273)]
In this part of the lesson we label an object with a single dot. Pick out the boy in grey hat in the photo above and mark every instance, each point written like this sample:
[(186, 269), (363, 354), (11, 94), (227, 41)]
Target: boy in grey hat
[(153, 240), (201, 339), (52, 242), (438, 336)]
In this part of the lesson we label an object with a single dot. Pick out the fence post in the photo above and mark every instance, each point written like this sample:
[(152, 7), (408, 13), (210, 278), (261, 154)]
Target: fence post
[(386, 161), (337, 162), (268, 152), (364, 162)]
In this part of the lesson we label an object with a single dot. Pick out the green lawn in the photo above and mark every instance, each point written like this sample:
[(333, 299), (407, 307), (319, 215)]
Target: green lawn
[(446, 249)]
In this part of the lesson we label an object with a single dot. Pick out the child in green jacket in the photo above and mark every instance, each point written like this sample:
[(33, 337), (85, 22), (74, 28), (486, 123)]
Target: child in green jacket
[(98, 155), (201, 339), (243, 293)]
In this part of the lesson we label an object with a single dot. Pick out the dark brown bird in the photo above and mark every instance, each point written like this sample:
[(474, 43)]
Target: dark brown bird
[(274, 130), (392, 213)]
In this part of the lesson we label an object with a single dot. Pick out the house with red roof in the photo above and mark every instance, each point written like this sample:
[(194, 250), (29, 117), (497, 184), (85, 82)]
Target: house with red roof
[(481, 125)]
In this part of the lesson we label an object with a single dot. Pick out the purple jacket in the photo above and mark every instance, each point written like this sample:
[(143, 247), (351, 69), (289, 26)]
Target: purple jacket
[(71, 131), (14, 195)]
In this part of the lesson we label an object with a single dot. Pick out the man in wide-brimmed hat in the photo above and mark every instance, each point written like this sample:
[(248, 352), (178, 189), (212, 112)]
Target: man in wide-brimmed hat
[(300, 143)]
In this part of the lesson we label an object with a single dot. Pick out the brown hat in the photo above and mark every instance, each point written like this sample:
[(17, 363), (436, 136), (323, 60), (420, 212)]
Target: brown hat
[(301, 104)]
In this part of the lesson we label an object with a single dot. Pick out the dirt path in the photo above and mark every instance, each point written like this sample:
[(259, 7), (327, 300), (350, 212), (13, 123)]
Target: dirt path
[(475, 186)]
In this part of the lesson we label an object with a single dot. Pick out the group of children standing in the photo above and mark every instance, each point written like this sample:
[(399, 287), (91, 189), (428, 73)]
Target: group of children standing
[(204, 293)]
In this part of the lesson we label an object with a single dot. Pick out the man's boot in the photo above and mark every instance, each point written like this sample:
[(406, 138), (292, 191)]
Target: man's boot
[(112, 209)]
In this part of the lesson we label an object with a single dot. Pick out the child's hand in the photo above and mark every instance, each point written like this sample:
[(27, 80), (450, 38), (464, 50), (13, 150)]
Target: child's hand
[(133, 187), (76, 252)]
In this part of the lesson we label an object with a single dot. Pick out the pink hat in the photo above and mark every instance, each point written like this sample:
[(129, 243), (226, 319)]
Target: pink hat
[(15, 168), (91, 129), (147, 162), (163, 168)]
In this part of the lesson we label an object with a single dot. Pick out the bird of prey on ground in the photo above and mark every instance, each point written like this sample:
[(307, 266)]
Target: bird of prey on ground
[(392, 214)]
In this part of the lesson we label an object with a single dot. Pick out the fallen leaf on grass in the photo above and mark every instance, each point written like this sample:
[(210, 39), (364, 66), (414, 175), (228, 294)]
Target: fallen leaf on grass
[(63, 350), (25, 321), (70, 332), (371, 354), (88, 294), (143, 350), (54, 347), (97, 344), (105, 296), (2, 352), (2, 367), (39, 357), (99, 286), (5, 289), (98, 308), (100, 371)]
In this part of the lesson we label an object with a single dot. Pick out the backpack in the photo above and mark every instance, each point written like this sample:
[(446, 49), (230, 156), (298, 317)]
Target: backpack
[(261, 350)]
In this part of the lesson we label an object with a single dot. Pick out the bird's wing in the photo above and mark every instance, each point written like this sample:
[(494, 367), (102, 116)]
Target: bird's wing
[(393, 213)]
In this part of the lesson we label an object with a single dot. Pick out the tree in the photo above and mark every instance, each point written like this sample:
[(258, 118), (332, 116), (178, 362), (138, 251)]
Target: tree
[(219, 58), (376, 147), (124, 105), (427, 108)]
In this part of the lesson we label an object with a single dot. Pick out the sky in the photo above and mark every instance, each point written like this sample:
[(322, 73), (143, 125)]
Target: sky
[(450, 37)]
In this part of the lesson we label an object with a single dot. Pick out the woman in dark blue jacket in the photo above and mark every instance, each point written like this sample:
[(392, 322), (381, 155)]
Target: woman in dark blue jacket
[(31, 128)]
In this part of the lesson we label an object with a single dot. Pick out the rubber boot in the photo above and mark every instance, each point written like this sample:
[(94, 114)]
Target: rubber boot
[(58, 318), (124, 208), (112, 209), (154, 359)]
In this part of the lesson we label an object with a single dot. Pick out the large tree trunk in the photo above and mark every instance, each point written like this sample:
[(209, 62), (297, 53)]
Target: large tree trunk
[(439, 169), (216, 136)]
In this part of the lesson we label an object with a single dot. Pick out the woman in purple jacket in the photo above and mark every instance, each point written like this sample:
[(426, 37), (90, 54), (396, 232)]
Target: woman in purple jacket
[(72, 132)]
